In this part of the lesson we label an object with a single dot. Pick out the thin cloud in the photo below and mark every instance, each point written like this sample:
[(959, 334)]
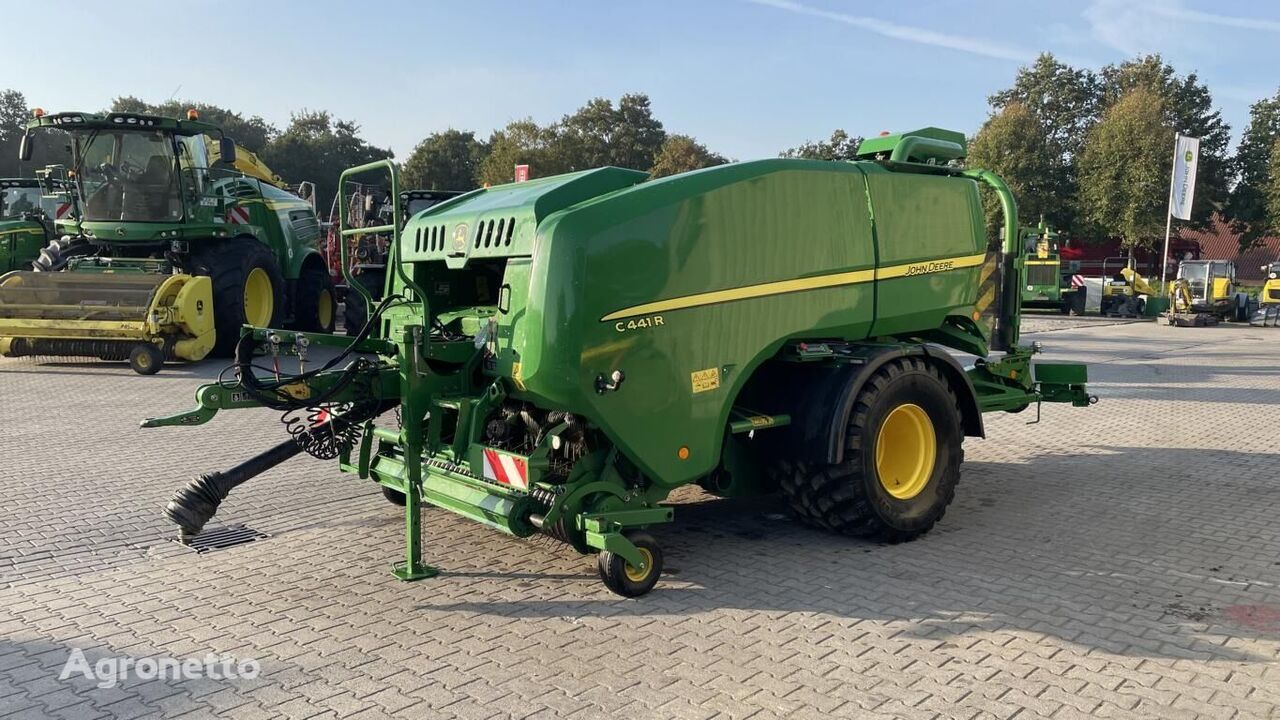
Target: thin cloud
[(1247, 23), (976, 46)]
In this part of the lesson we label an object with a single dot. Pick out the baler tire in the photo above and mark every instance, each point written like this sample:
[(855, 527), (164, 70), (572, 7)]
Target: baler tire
[(146, 359), (229, 265), (848, 497), (354, 312), (315, 306), (395, 497), (59, 252), (613, 569)]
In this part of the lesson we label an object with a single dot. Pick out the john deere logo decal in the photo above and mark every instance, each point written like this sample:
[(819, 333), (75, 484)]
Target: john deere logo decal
[(1188, 156), (459, 237)]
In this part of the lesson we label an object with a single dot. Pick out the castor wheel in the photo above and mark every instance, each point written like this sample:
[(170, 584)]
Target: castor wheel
[(146, 359), (623, 578), (395, 497)]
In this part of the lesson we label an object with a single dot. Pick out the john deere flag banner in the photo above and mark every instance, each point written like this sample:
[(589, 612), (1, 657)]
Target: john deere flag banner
[(1186, 155)]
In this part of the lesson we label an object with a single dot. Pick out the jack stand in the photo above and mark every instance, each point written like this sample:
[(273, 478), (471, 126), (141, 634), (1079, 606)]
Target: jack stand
[(413, 568)]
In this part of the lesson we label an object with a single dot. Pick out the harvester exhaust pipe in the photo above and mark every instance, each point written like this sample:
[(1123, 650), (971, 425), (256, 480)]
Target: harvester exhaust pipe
[(197, 501)]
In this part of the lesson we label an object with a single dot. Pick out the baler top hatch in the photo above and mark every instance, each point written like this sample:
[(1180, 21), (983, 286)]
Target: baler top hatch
[(503, 221)]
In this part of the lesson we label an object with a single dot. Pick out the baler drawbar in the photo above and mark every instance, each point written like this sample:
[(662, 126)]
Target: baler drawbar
[(560, 354)]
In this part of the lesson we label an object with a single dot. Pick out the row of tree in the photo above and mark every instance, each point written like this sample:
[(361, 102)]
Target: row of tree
[(1092, 152), (1089, 151), (597, 134)]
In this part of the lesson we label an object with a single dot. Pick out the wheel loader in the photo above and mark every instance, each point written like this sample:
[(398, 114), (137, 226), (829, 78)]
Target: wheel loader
[(557, 356), (179, 239), (1267, 313), (31, 211)]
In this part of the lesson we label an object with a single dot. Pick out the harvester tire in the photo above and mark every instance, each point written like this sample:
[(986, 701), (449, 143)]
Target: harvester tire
[(901, 460), (231, 265), (315, 307), (354, 312), (620, 577), (395, 497), (59, 252), (146, 359)]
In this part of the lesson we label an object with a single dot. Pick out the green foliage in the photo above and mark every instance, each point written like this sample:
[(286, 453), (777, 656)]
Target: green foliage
[(840, 147), (252, 133), (1014, 145), (1125, 168), (597, 134), (1064, 102), (448, 160), (13, 120), (1063, 99), (1271, 192), (522, 142), (1249, 206), (318, 148), (681, 153), (1188, 107)]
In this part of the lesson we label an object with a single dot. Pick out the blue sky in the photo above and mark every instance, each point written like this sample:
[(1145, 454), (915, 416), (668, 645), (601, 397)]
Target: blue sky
[(747, 77)]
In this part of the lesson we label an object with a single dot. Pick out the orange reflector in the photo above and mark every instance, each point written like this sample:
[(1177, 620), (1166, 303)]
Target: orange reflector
[(683, 453), (192, 114), (884, 133), (38, 112)]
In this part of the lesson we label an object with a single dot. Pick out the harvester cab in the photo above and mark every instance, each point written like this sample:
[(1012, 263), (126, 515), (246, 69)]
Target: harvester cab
[(563, 353), (172, 251), (32, 211)]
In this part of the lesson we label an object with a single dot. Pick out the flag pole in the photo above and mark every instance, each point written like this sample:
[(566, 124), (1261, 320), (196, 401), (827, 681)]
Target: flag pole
[(1168, 220)]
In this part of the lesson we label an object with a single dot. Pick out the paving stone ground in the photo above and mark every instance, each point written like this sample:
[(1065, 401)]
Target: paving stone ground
[(1117, 561)]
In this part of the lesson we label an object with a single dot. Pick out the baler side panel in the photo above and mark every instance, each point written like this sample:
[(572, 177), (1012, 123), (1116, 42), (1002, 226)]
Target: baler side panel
[(754, 236), (934, 227)]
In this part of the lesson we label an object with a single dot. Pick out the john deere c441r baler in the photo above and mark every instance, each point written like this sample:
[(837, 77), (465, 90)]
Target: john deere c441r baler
[(563, 353)]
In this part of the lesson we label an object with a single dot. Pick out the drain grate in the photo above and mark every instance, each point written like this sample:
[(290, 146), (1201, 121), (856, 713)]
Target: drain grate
[(222, 538)]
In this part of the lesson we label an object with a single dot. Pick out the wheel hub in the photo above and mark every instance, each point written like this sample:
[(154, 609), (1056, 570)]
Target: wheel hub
[(906, 451)]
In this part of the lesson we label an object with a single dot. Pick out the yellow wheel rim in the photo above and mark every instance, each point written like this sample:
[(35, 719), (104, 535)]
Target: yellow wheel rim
[(259, 300), (144, 361), (324, 308), (635, 574), (906, 450)]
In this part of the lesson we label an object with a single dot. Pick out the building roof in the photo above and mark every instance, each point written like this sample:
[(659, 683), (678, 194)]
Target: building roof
[(1219, 242)]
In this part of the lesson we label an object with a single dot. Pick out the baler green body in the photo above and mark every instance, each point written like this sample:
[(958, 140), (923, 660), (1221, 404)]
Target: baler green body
[(709, 272), (565, 352)]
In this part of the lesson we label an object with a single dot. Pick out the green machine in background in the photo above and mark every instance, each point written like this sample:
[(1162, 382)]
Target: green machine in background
[(32, 212), (174, 244), (1047, 287), (564, 353)]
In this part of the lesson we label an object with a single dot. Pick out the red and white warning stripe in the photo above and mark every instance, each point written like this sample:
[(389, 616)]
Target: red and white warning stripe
[(238, 215), (1077, 281), (62, 211), (506, 469)]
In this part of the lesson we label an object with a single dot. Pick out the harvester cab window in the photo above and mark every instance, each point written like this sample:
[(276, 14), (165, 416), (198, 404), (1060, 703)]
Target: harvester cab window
[(193, 162), (15, 201), (130, 176)]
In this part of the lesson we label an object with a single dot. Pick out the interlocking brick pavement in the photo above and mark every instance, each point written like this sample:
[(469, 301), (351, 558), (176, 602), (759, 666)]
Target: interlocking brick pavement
[(1119, 561)]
